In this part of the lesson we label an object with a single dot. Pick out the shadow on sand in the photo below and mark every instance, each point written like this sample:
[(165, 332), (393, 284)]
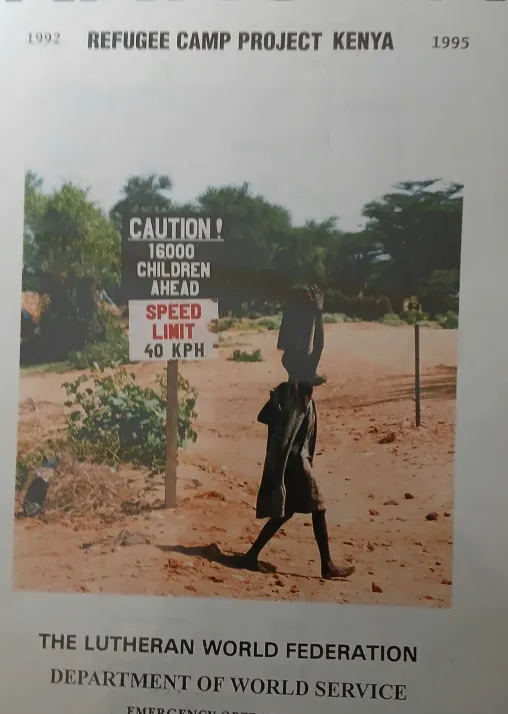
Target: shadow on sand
[(213, 554)]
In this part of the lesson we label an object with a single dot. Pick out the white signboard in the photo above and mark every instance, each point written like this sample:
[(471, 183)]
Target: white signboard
[(164, 330)]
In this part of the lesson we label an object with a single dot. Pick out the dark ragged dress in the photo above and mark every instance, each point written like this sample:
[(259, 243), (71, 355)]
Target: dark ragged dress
[(287, 485)]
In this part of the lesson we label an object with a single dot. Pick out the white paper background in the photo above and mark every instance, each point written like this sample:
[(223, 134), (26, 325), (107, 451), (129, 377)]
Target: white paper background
[(455, 110)]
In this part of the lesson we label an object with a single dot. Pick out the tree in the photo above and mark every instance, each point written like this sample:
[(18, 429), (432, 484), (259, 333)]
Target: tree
[(419, 227), (34, 209), (78, 252), (352, 263), (306, 254), (246, 276), (143, 194), (75, 239)]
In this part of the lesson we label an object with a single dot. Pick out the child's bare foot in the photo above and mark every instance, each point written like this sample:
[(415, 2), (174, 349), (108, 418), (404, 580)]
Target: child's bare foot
[(331, 571), (250, 562)]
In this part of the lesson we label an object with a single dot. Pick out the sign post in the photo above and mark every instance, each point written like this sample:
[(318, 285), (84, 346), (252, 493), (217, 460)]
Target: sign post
[(173, 314), (417, 375), (171, 433)]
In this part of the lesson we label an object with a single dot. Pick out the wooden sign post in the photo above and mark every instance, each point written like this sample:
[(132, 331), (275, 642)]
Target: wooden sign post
[(171, 330), (417, 375), (171, 433)]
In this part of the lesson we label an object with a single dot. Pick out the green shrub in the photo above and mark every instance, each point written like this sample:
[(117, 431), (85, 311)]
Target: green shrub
[(450, 321), (414, 316), (243, 356), (113, 352), (362, 307), (333, 318), (269, 323), (119, 420), (430, 324), (228, 323), (392, 319)]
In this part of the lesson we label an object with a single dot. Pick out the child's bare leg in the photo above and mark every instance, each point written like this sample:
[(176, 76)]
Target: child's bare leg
[(250, 559), (328, 568)]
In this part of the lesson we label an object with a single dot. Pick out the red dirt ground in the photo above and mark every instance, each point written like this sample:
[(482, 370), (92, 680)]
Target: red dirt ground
[(400, 557)]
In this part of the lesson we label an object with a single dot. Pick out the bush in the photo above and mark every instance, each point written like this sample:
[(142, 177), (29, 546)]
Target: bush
[(242, 356), (450, 321), (270, 323), (102, 355), (392, 319), (228, 323), (414, 316), (244, 323), (118, 420), (335, 318), (431, 324), (362, 307)]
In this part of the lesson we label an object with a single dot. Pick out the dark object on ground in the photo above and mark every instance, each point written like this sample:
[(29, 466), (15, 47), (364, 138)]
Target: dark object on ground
[(35, 496), (51, 463), (432, 516)]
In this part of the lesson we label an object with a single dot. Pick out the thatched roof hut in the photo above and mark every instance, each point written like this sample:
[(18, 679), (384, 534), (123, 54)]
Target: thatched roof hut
[(34, 304)]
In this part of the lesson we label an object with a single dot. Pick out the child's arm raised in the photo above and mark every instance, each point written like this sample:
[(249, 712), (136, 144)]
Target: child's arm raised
[(318, 342)]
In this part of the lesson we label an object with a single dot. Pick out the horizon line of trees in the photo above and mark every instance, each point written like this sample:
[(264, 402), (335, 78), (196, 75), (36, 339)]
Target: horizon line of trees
[(409, 246)]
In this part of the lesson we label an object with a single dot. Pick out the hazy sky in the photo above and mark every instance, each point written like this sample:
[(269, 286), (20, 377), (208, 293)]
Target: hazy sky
[(318, 133)]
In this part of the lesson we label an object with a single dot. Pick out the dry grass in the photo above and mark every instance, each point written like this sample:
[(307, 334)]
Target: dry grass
[(80, 490)]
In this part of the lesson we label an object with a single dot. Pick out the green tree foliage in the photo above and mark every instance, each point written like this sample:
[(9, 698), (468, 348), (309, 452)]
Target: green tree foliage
[(251, 270), (141, 194), (34, 209), (418, 227), (72, 249), (409, 245), (75, 239)]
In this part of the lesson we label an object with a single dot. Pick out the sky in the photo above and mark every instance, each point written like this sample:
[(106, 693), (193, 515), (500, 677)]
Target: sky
[(320, 134)]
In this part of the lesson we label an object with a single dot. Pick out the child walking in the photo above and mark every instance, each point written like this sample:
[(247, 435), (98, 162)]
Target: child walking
[(288, 485)]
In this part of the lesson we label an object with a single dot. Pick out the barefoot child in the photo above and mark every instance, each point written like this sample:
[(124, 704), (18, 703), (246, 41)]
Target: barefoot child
[(288, 485)]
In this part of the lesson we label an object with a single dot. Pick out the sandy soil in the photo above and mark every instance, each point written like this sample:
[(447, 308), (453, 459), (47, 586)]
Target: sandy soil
[(378, 494)]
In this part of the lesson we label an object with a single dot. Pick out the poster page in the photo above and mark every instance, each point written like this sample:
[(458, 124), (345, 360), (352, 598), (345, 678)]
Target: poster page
[(254, 390)]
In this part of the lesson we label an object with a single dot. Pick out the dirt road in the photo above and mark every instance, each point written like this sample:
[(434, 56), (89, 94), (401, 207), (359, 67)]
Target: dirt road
[(378, 494)]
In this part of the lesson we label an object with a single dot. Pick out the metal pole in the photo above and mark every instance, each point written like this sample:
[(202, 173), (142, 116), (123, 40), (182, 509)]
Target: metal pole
[(171, 434), (417, 375)]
